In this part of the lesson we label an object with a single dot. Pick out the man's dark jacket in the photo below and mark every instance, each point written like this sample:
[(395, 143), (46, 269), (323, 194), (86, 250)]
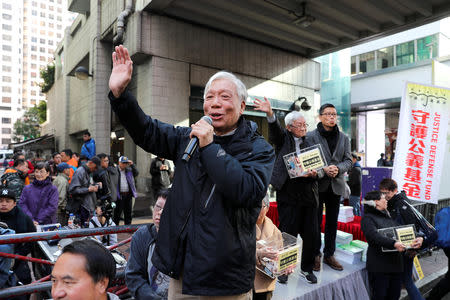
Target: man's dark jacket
[(378, 261), (79, 191), (402, 213), (292, 190), (207, 231), (20, 222)]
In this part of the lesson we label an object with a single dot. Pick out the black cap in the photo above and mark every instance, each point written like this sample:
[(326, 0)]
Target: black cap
[(7, 193)]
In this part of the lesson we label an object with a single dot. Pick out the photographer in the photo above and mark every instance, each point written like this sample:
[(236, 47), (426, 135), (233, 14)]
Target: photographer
[(102, 218)]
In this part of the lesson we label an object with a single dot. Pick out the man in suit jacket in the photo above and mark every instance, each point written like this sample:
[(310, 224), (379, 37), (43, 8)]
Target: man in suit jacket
[(297, 198), (336, 148)]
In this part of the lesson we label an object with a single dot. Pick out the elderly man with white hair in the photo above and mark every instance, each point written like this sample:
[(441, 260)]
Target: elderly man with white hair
[(297, 198), (206, 240)]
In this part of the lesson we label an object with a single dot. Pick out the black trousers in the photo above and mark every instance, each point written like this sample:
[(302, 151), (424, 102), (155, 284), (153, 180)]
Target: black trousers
[(123, 204), (443, 287), (296, 219), (332, 202), (385, 286)]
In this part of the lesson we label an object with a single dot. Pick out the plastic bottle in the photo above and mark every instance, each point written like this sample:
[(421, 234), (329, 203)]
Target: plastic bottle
[(70, 221)]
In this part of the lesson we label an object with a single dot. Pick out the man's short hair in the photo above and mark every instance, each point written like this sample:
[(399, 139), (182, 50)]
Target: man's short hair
[(240, 86), (76, 154), (381, 155), (292, 116), (16, 155), (102, 155), (388, 184), (324, 106), (83, 157), (68, 152), (163, 193), (54, 154), (99, 261), (87, 133), (373, 195), (19, 162), (96, 160)]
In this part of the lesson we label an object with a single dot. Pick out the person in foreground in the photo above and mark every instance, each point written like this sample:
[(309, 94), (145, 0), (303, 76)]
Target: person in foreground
[(142, 278), (206, 241), (84, 271), (265, 229), (385, 268)]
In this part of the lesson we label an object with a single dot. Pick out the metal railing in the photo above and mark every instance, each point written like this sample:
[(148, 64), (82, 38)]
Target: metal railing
[(42, 285)]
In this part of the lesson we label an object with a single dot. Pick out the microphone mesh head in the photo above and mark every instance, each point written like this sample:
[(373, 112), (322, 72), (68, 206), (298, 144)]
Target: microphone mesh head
[(207, 119)]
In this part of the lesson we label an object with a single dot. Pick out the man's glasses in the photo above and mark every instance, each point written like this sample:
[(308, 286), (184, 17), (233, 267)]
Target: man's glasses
[(330, 114), (304, 125)]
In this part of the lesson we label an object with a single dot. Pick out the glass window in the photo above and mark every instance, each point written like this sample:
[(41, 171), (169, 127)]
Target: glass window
[(6, 58), (6, 120), (6, 6), (6, 130), (405, 53), (6, 78), (6, 16), (353, 65), (6, 141), (367, 62), (6, 48), (6, 89), (6, 27), (385, 58), (6, 37), (427, 47), (6, 68), (6, 99)]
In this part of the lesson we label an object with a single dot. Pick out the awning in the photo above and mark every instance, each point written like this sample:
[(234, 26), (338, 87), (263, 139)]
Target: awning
[(41, 143)]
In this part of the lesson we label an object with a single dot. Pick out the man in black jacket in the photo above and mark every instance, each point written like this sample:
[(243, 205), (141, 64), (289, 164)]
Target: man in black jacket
[(206, 241), (20, 223), (297, 198), (336, 149)]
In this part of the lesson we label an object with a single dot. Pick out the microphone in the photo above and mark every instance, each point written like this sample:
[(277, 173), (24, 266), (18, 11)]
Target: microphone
[(193, 143)]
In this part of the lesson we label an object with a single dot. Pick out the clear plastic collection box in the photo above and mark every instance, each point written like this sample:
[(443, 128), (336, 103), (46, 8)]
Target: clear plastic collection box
[(283, 254)]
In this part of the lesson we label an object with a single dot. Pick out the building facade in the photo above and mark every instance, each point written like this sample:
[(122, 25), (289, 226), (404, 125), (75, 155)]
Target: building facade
[(380, 70), (173, 60), (30, 31)]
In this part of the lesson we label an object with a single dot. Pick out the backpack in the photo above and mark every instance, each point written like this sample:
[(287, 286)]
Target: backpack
[(442, 223), (424, 227)]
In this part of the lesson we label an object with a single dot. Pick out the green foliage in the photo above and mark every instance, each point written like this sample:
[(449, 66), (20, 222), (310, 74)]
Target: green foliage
[(27, 127), (41, 111), (48, 76)]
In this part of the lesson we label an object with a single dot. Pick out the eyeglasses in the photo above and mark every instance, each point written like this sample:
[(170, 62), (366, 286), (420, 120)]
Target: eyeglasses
[(329, 114), (303, 125)]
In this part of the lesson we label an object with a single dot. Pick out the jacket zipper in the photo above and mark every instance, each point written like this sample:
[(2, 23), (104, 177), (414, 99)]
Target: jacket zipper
[(210, 195)]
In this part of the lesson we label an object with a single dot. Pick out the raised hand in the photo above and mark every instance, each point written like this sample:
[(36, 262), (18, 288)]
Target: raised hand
[(264, 106), (121, 72)]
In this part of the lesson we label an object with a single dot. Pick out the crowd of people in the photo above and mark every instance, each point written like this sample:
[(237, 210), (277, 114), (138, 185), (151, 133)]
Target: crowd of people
[(91, 191), (202, 243)]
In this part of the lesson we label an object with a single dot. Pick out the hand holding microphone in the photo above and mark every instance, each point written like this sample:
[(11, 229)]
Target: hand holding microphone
[(202, 134)]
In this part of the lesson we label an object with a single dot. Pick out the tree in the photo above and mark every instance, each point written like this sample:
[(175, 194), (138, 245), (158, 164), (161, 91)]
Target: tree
[(27, 127), (48, 76)]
